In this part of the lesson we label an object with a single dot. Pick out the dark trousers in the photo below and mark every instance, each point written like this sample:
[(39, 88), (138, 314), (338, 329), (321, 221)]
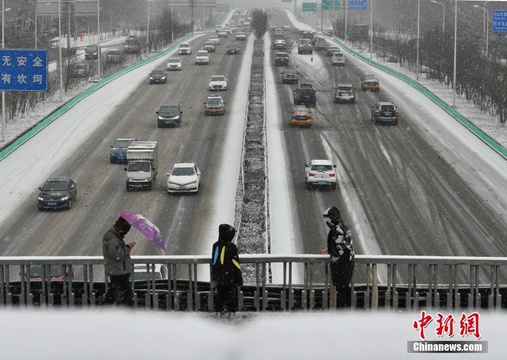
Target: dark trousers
[(341, 275), (120, 291), (226, 298)]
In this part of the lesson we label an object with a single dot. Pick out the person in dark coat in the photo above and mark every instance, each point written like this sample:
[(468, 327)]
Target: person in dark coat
[(118, 264), (341, 252), (226, 273)]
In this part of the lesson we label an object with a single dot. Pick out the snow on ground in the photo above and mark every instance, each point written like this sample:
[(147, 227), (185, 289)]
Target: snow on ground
[(99, 334)]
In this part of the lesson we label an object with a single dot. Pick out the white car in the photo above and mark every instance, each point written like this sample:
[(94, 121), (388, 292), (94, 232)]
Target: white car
[(215, 39), (217, 83), (241, 36), (320, 173), (279, 44), (183, 178), (174, 64), (202, 57), (185, 49), (338, 59), (143, 272)]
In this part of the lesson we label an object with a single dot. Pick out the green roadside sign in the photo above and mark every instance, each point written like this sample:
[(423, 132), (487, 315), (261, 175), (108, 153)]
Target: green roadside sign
[(286, 0), (330, 4), (310, 7)]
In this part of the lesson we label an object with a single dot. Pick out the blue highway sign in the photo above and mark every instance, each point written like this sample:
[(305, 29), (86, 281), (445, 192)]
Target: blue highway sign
[(500, 21), (23, 70)]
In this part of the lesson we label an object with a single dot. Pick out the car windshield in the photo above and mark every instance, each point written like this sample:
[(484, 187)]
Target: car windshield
[(37, 271), (184, 45), (218, 78), (157, 72), (344, 88), (139, 166), (214, 101), (183, 171), (169, 109), (202, 53), (387, 108), (174, 61), (289, 73), (55, 186), (122, 143), (322, 168), (282, 55)]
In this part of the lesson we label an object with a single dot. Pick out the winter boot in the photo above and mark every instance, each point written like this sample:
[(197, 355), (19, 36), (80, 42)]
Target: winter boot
[(218, 315), (232, 315)]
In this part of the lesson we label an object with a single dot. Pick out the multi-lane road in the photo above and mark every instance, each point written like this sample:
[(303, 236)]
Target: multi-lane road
[(397, 188)]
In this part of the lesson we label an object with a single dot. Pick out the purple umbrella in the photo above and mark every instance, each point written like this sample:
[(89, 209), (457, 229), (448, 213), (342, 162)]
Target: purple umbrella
[(145, 227)]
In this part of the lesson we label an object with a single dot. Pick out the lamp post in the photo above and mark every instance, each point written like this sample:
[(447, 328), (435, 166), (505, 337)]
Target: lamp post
[(172, 21), (455, 47), (486, 26), (371, 29), (418, 28), (345, 14), (443, 16), (148, 27)]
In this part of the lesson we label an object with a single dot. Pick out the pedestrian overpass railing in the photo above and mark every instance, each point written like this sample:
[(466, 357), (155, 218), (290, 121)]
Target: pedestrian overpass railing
[(271, 282)]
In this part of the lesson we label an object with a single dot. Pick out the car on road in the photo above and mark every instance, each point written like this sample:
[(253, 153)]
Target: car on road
[(301, 116), (240, 36), (289, 76), (118, 153), (281, 59), (174, 64), (223, 34), (345, 93), (202, 57), (370, 82), (331, 50), (214, 39), (114, 56), (184, 178), (320, 173), (92, 52), (217, 83), (279, 44), (184, 49), (233, 48), (158, 76), (338, 59), (57, 193), (146, 272), (53, 272), (169, 115), (384, 112), (79, 70), (209, 46), (305, 94), (214, 105)]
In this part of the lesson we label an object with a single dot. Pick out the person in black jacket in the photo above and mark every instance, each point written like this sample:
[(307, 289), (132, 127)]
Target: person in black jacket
[(341, 252), (226, 273), (118, 264)]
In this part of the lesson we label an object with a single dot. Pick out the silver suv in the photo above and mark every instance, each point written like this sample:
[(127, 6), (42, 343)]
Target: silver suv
[(384, 112)]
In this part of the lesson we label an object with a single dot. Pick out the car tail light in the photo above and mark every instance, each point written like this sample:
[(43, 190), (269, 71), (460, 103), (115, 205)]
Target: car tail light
[(332, 174), (396, 113), (312, 173), (377, 113)]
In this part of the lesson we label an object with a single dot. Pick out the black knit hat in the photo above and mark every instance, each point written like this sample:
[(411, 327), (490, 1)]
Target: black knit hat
[(122, 225), (332, 213)]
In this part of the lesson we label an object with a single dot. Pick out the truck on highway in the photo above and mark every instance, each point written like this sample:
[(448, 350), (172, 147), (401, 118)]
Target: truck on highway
[(305, 46), (132, 45), (142, 165)]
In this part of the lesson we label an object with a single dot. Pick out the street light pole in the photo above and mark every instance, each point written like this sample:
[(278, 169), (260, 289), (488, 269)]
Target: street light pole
[(148, 28), (60, 47), (371, 29), (486, 28), (455, 47), (443, 16), (418, 28), (172, 21), (345, 5)]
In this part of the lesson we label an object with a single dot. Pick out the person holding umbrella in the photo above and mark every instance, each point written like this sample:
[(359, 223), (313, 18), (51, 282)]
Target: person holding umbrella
[(118, 264), (226, 273)]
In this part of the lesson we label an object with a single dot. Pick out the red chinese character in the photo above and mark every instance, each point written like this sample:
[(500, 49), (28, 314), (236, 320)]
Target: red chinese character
[(445, 325), (422, 323), (469, 325)]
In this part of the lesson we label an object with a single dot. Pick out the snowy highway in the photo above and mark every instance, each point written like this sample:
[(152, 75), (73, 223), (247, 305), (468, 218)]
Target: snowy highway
[(425, 187)]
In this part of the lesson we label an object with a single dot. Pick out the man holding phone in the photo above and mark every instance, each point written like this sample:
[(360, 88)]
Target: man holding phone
[(118, 264)]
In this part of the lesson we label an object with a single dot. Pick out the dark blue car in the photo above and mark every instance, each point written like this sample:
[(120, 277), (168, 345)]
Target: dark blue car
[(118, 154)]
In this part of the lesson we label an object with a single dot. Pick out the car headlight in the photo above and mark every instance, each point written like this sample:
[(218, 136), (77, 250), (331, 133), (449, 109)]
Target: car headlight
[(40, 198), (65, 198)]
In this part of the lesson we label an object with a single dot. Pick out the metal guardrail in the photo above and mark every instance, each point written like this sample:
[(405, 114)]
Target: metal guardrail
[(388, 282)]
